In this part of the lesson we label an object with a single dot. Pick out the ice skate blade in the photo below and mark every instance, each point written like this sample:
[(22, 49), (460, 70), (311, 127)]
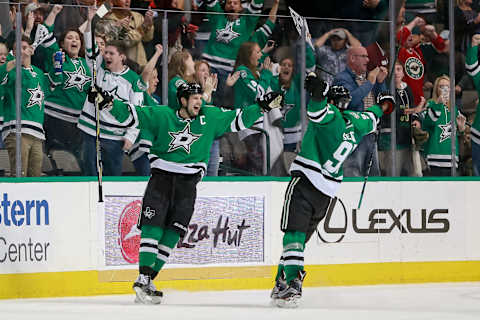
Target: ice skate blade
[(289, 303), (142, 298)]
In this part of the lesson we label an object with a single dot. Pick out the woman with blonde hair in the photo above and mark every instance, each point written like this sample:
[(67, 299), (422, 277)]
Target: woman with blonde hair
[(437, 124)]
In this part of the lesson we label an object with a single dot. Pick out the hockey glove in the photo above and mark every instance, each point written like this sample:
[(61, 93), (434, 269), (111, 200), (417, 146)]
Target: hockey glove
[(317, 88), (270, 101), (388, 99), (103, 98)]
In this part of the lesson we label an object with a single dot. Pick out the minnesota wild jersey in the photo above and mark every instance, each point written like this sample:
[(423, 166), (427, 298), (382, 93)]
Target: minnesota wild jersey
[(34, 88), (126, 86), (227, 36), (330, 137), (473, 69), (70, 91), (438, 146), (183, 146), (292, 128)]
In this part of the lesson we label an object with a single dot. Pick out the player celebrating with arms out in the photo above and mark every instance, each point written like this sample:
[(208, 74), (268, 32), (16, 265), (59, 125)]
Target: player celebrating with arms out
[(181, 141), (332, 134)]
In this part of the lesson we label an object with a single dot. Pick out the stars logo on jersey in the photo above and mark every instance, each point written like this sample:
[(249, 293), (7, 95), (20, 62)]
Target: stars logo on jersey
[(446, 131), (76, 79), (114, 92), (227, 35), (36, 97), (183, 139)]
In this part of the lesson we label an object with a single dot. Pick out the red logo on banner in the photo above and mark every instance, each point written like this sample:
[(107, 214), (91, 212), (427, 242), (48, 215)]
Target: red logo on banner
[(129, 235)]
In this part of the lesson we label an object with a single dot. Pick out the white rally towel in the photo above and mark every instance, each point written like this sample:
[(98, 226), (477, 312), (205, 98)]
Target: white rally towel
[(300, 22)]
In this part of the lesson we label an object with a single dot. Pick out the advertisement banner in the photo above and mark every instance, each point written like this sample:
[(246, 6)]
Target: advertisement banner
[(223, 230), (402, 222), (36, 228)]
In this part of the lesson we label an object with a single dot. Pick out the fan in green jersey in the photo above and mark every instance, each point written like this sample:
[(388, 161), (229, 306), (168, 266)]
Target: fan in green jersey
[(473, 69), (333, 132), (181, 142), (64, 105), (35, 87), (437, 123)]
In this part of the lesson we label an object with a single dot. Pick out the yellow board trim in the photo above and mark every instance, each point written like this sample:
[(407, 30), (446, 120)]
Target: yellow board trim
[(87, 283)]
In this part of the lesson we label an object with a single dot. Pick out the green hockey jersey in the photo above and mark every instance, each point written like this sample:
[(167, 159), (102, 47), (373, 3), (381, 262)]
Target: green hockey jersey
[(35, 86), (227, 36), (473, 69), (438, 146), (183, 146), (126, 86), (330, 137), (69, 93)]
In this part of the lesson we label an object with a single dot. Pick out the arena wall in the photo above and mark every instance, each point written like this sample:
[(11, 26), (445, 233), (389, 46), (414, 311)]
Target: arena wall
[(56, 240)]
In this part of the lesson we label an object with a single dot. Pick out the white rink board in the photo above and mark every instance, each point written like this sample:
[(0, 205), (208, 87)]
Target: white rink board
[(75, 233), (64, 244)]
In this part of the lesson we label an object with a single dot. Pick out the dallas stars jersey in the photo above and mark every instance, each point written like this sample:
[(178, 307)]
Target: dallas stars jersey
[(438, 146), (183, 146), (330, 137), (66, 100), (473, 69), (227, 36), (292, 128), (126, 86), (34, 87)]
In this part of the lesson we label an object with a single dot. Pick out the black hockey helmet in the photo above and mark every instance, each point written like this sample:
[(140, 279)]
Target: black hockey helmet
[(187, 89), (339, 96)]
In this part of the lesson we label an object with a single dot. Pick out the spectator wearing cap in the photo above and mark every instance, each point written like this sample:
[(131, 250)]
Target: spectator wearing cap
[(331, 49)]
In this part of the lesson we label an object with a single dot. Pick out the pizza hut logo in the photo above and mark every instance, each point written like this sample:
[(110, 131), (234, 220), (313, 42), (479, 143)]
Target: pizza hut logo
[(129, 235)]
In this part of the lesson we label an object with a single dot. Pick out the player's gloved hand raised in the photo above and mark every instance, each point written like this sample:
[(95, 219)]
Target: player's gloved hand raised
[(103, 98), (317, 88), (270, 101), (387, 101)]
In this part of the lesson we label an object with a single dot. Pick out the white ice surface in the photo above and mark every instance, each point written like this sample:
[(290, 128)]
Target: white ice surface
[(457, 301)]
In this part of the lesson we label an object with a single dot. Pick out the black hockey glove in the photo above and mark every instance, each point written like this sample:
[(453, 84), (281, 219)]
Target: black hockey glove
[(386, 98), (317, 88), (103, 98), (270, 101)]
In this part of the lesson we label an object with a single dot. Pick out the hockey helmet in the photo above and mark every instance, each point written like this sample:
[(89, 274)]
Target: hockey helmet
[(339, 96), (187, 89)]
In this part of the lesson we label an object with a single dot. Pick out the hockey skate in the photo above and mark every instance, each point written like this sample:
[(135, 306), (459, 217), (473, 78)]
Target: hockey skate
[(280, 285), (145, 291), (290, 296)]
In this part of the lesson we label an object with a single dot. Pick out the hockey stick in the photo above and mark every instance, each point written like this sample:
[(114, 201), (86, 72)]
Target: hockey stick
[(102, 11), (370, 162)]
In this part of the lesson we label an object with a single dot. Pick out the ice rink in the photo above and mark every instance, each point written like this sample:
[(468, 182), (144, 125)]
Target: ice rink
[(423, 301)]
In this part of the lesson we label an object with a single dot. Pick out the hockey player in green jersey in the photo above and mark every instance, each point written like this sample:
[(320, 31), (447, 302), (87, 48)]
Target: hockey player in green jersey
[(332, 134), (178, 158), (437, 123)]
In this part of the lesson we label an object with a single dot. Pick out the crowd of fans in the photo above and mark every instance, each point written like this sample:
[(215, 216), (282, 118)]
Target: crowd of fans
[(236, 54)]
